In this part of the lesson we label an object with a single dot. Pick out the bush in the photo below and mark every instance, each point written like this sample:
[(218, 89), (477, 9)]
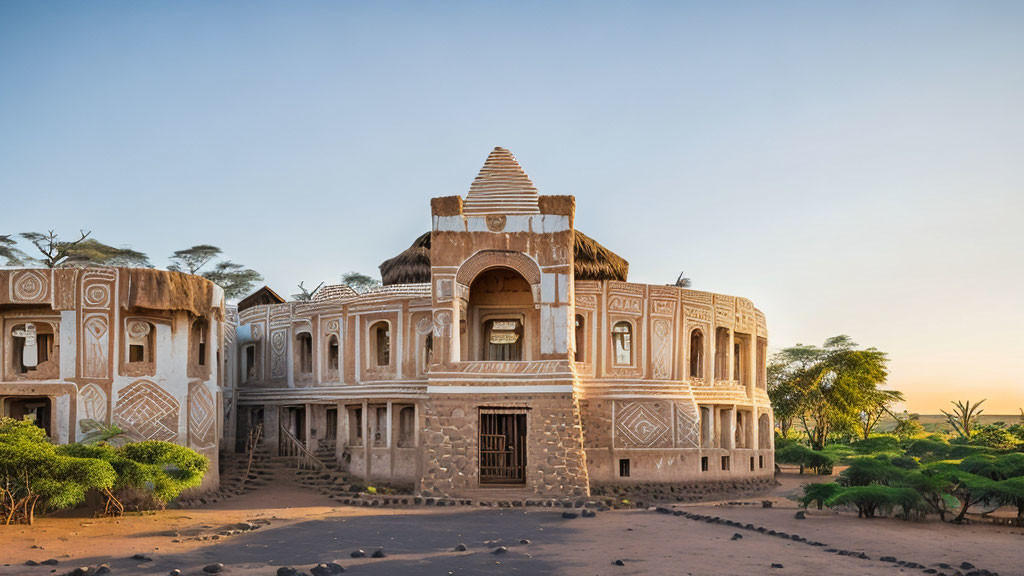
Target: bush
[(878, 445), (993, 436), (959, 451), (804, 457), (871, 470), (928, 449), (876, 497), (36, 475), (818, 493)]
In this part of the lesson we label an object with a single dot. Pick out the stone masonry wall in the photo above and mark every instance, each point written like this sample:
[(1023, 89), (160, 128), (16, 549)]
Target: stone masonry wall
[(555, 460)]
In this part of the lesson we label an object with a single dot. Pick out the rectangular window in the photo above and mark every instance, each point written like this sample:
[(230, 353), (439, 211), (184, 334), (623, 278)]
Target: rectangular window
[(503, 340), (725, 462), (623, 467), (331, 433), (751, 463), (703, 463), (355, 427), (760, 461), (622, 343)]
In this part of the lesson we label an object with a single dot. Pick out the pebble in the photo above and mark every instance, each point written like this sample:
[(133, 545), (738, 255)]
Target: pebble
[(289, 571), (326, 569), (215, 568), (776, 565), (175, 572), (587, 513), (569, 515), (378, 553), (524, 541), (142, 558), (358, 554), (50, 562), (619, 563), (460, 547), (801, 515), (500, 550)]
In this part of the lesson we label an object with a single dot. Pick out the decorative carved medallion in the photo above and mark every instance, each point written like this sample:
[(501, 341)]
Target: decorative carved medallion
[(29, 286), (495, 222)]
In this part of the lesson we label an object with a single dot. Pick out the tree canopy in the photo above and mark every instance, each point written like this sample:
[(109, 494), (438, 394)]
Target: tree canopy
[(83, 251), (359, 282), (829, 389)]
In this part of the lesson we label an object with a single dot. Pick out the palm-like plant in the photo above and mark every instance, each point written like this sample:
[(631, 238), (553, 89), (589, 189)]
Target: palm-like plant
[(964, 417)]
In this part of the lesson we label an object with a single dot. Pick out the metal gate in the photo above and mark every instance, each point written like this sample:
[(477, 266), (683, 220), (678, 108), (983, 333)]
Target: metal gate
[(502, 446)]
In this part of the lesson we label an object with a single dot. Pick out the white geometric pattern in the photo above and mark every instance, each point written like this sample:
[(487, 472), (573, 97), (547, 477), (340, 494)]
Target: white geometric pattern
[(642, 424)]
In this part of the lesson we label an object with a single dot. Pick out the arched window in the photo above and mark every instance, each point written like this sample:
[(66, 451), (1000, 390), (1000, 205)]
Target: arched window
[(199, 335), (380, 337), (333, 354), (305, 345), (581, 340), (696, 354), (722, 354), (622, 343), (764, 432), (406, 427), (140, 342)]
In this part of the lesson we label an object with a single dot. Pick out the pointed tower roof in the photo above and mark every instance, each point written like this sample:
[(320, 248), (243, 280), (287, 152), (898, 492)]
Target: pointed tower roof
[(501, 187)]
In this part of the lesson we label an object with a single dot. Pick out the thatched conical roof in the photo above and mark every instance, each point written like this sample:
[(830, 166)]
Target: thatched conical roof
[(593, 262), (411, 266)]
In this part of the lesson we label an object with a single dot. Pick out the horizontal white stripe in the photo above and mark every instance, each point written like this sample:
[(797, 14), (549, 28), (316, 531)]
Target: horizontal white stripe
[(549, 389)]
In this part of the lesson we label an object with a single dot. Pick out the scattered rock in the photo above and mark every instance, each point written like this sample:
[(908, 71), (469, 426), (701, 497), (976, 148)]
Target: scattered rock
[(378, 553), (766, 503), (50, 562), (801, 515), (174, 572), (569, 515), (619, 563), (500, 550), (215, 568), (524, 541), (588, 513), (887, 559), (326, 569), (776, 565), (966, 566), (460, 547), (142, 558), (289, 571), (737, 536), (358, 554), (31, 563)]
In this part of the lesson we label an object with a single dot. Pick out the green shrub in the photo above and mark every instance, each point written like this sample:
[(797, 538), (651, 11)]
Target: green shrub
[(34, 477), (1010, 492), (993, 436), (871, 470), (804, 457), (875, 497), (818, 493), (959, 451), (928, 449), (878, 445)]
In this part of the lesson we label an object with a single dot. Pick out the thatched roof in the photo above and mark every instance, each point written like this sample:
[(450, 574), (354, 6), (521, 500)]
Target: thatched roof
[(411, 266), (593, 262)]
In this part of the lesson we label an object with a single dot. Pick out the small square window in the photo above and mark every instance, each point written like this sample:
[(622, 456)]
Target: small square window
[(703, 463), (623, 467), (725, 462)]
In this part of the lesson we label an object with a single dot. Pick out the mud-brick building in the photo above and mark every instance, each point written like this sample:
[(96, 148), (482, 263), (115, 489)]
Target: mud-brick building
[(138, 348), (507, 350)]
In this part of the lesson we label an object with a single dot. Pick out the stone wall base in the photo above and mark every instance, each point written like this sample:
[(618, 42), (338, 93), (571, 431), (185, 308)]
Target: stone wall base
[(645, 493)]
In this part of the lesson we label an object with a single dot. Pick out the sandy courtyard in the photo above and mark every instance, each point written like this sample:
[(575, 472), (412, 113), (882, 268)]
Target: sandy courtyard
[(304, 528)]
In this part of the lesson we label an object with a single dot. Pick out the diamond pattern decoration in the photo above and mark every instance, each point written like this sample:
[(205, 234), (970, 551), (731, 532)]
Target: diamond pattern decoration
[(642, 424), (148, 411), (202, 415)]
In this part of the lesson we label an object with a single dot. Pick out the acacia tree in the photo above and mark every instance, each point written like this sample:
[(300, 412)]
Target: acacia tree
[(9, 251), (84, 251), (305, 295), (359, 282), (877, 404), (964, 418), (235, 279), (828, 387), (682, 281)]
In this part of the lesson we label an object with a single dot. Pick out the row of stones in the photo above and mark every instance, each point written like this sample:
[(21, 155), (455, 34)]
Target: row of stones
[(969, 569), (684, 492)]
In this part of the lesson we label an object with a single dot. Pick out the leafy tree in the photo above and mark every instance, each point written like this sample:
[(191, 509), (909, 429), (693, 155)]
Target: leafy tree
[(874, 497), (819, 493), (682, 281), (1010, 492), (84, 251), (964, 417), (9, 251), (235, 279), (830, 386), (877, 403), (800, 455), (306, 295), (192, 260), (928, 449), (877, 445), (876, 470), (360, 282)]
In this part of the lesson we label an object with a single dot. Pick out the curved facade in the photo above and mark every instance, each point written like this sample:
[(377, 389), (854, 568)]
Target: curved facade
[(503, 368), (138, 348)]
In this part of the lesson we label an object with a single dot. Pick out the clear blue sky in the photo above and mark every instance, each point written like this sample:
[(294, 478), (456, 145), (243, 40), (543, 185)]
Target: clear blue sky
[(851, 167)]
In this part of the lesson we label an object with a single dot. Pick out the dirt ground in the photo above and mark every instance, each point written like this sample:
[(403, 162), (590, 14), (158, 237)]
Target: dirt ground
[(303, 528)]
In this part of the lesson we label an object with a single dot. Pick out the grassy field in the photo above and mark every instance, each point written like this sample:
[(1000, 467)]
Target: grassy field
[(938, 423)]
